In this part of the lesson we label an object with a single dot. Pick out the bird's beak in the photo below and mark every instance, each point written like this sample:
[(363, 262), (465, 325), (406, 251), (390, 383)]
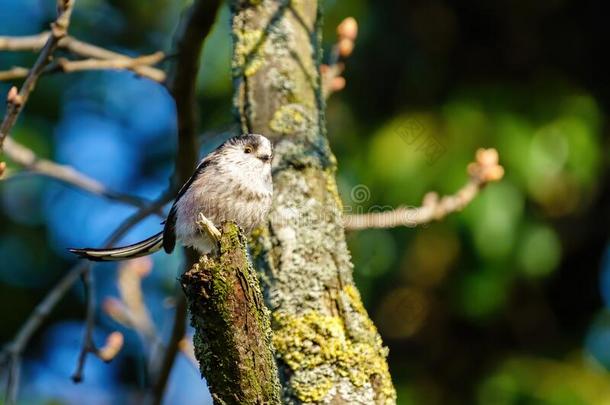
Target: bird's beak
[(264, 158)]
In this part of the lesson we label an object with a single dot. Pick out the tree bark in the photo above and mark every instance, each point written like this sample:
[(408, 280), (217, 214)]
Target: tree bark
[(232, 331), (328, 349)]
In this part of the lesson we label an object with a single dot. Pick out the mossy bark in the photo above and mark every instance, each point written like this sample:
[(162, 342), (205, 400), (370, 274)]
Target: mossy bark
[(328, 349), (232, 328)]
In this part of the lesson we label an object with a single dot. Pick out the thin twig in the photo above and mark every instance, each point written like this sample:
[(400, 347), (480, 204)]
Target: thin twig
[(16, 72), (79, 48), (331, 73), (131, 311), (32, 43), (12, 381), (88, 346), (16, 101), (87, 50), (68, 66), (12, 351), (483, 171), (40, 313), (112, 347), (117, 63), (25, 157), (172, 348)]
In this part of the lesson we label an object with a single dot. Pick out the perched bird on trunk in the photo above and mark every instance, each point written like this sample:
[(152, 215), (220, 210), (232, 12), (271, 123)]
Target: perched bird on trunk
[(232, 183)]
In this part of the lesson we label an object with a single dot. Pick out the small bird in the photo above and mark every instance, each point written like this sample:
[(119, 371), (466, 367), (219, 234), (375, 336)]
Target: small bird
[(232, 183)]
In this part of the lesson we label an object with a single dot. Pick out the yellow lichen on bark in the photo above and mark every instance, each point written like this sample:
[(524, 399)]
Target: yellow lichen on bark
[(327, 347), (247, 54), (331, 184), (312, 340), (290, 119)]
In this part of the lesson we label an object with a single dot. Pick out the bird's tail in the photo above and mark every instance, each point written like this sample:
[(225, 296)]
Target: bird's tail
[(146, 247)]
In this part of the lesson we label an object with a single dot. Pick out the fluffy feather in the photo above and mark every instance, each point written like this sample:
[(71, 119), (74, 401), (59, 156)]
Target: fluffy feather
[(233, 183)]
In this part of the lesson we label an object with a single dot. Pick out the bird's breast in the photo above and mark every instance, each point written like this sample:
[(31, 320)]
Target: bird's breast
[(241, 203)]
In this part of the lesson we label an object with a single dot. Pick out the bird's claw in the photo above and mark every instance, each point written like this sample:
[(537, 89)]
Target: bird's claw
[(205, 225)]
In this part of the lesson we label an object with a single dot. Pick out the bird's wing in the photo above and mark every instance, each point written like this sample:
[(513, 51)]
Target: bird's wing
[(169, 230)]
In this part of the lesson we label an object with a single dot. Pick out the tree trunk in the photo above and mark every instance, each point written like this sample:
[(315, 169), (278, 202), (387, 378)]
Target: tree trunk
[(232, 332), (328, 349)]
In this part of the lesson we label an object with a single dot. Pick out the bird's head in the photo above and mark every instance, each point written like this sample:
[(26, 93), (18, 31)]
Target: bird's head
[(252, 151)]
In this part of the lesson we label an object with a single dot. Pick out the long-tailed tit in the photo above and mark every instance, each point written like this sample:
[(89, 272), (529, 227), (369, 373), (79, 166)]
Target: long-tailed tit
[(232, 183)]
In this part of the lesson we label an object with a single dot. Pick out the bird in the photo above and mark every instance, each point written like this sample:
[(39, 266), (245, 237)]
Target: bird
[(232, 183)]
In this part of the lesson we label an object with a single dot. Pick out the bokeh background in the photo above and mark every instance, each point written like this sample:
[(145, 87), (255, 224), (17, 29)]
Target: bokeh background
[(503, 303)]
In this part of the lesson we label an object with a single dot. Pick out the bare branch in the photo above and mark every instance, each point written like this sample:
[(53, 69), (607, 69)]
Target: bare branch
[(12, 351), (48, 43), (88, 346), (12, 382), (33, 43), (189, 40), (172, 348), (114, 341), (114, 344), (483, 171), (87, 50), (76, 47), (25, 157), (117, 63), (332, 81), (40, 313), (189, 43), (16, 72), (15, 104), (131, 310)]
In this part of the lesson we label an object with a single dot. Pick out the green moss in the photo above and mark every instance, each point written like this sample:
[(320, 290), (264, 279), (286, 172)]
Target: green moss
[(232, 328)]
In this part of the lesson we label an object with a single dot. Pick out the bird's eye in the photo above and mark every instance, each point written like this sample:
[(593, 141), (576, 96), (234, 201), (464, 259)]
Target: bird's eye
[(248, 150)]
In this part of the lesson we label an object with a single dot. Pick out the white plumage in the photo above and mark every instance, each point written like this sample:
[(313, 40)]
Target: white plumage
[(233, 183)]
